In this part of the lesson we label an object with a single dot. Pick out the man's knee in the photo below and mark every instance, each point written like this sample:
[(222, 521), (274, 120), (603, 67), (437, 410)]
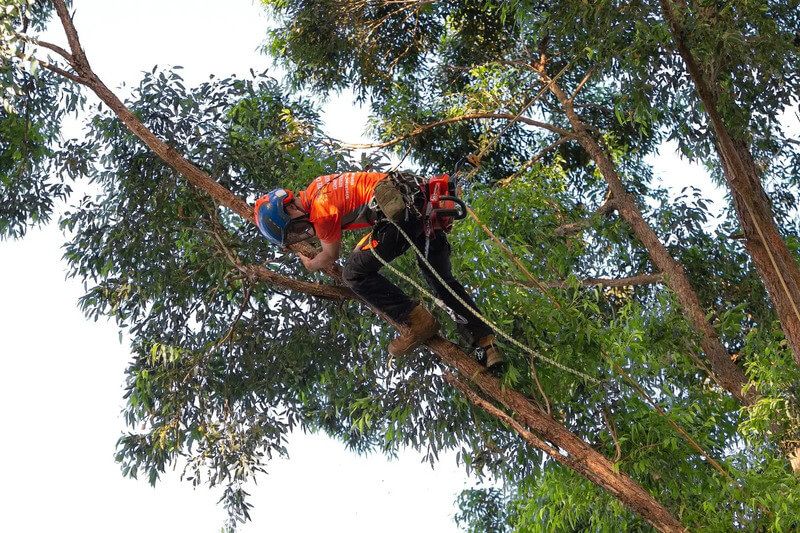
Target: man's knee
[(359, 267), (351, 274)]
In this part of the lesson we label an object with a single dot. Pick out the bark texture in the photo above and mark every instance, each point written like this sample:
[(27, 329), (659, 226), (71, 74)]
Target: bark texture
[(539, 429), (772, 259)]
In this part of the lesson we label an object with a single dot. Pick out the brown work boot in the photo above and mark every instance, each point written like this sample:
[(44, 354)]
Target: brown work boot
[(494, 357), (420, 327)]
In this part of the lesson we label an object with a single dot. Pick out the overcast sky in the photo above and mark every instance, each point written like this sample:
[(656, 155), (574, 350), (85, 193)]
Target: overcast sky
[(61, 380)]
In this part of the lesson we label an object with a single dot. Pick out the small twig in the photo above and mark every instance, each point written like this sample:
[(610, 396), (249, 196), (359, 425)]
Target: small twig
[(641, 449), (604, 109), (539, 385), (612, 429), (232, 258), (55, 48), (501, 415), (58, 70), (228, 335), (573, 228), (462, 118), (642, 279), (509, 254), (245, 301), (581, 84), (532, 161), (702, 365)]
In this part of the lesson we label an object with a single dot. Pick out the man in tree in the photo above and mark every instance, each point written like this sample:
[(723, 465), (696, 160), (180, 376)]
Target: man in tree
[(352, 200)]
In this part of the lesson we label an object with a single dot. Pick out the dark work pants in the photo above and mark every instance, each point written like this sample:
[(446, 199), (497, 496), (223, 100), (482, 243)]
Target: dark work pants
[(361, 274)]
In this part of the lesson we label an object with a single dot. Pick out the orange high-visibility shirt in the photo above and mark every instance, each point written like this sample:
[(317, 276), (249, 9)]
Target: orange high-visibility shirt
[(339, 202)]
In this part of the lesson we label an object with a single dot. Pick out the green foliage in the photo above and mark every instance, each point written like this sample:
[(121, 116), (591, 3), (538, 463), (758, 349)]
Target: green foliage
[(776, 377), (35, 162), (157, 255), (482, 511)]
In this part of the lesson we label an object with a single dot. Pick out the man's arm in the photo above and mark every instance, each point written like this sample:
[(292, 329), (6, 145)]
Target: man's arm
[(324, 259)]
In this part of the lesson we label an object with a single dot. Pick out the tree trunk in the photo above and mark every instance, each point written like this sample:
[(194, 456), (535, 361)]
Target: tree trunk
[(727, 373), (771, 257), (774, 262)]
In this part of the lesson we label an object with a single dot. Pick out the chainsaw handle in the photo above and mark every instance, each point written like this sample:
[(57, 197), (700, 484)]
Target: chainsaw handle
[(456, 214)]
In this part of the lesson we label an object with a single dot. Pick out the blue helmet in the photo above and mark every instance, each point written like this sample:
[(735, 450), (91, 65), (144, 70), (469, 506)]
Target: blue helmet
[(275, 223)]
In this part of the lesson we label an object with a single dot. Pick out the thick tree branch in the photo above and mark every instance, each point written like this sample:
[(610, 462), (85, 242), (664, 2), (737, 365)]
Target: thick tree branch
[(464, 118), (775, 263), (328, 292), (632, 281), (729, 374), (78, 55), (772, 258), (479, 401), (192, 173), (537, 429)]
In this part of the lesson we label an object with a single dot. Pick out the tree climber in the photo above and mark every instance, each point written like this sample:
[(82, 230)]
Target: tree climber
[(355, 200)]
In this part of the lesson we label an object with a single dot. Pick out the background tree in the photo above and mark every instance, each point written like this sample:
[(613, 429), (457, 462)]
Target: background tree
[(35, 168)]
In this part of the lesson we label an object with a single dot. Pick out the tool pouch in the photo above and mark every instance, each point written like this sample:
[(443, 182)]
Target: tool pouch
[(390, 199)]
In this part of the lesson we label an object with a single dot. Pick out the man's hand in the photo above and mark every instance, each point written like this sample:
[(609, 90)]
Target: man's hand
[(326, 258), (307, 261)]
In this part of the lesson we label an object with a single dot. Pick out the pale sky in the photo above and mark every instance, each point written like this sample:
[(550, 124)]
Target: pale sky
[(62, 376)]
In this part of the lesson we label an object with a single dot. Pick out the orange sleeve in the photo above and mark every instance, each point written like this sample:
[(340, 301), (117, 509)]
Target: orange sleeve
[(328, 229), (327, 220)]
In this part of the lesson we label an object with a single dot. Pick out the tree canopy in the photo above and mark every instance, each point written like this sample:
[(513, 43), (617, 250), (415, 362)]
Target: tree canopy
[(685, 326)]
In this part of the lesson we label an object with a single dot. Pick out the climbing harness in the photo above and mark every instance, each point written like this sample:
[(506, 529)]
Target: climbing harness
[(441, 206)]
